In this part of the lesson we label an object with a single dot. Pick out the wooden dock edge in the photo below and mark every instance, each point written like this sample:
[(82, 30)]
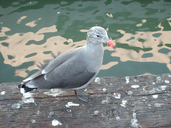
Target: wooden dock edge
[(115, 102)]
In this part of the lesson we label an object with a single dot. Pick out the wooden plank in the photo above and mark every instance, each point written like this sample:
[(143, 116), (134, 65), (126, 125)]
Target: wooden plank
[(134, 101)]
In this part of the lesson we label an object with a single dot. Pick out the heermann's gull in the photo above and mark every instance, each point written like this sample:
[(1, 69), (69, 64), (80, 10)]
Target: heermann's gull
[(74, 69)]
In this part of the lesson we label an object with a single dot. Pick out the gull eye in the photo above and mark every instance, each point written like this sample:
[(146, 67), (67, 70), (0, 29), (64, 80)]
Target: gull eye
[(97, 35)]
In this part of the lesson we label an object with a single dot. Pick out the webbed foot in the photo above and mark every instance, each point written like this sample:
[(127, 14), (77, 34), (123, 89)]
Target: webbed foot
[(82, 95)]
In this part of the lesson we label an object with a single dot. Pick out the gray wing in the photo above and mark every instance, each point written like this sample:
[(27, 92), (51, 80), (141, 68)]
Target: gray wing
[(46, 62), (58, 61), (71, 74), (32, 76), (41, 66)]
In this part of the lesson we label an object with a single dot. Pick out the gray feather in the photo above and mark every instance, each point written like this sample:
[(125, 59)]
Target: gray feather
[(42, 66), (59, 60), (71, 72)]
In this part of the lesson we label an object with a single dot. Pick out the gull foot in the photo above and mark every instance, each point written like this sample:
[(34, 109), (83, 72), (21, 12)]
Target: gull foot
[(82, 95)]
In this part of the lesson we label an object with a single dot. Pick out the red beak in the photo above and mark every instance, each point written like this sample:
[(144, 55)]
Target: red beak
[(111, 44)]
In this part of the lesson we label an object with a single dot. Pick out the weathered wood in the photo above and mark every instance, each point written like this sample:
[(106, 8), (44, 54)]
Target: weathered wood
[(134, 101)]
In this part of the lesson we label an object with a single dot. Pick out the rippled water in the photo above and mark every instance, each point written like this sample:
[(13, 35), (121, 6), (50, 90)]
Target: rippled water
[(31, 30)]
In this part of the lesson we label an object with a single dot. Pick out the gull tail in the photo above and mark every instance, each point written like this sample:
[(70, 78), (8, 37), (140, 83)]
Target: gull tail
[(24, 89)]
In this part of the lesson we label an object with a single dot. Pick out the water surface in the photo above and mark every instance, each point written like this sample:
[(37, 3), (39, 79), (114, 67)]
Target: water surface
[(30, 30)]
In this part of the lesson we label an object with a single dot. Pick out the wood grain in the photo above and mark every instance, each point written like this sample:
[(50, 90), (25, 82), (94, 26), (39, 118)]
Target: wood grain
[(115, 102)]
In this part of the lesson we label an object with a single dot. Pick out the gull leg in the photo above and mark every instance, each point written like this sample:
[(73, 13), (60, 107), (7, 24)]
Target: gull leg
[(82, 95)]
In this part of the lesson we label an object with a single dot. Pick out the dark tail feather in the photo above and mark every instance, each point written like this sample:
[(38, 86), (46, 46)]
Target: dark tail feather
[(26, 89)]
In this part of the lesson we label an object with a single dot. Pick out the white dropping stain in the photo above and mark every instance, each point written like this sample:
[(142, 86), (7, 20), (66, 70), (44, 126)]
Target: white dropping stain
[(163, 87), (38, 112), (106, 100), (158, 104), (56, 122), (127, 79), (123, 104), (156, 89), (69, 110), (104, 89), (166, 81), (110, 84), (70, 104), (155, 96), (17, 105), (27, 97), (118, 118), (159, 78), (3, 93), (117, 95), (149, 105), (50, 114), (96, 112), (54, 92), (130, 92), (97, 80), (135, 86), (29, 100), (134, 121), (33, 121), (144, 98), (135, 80)]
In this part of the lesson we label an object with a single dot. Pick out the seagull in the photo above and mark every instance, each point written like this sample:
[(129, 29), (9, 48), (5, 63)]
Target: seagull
[(74, 69)]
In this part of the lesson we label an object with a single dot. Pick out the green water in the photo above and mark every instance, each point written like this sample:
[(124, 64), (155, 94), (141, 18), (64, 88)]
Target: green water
[(31, 30)]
